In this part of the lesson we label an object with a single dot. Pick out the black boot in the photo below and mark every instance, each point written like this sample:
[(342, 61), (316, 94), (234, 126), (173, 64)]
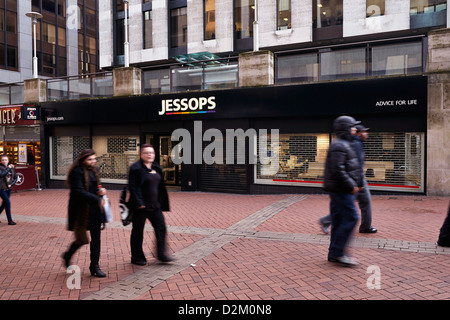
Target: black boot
[(95, 271), (68, 255)]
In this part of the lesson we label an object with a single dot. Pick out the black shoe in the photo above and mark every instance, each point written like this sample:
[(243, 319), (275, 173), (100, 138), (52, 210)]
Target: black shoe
[(95, 271), (166, 259), (370, 230), (12, 223), (443, 244), (139, 262), (344, 260)]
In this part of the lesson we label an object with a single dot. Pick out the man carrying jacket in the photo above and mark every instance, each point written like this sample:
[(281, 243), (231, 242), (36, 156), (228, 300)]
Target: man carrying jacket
[(342, 181)]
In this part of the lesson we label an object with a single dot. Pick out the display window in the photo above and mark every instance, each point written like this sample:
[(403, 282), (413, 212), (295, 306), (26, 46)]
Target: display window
[(114, 155), (393, 161)]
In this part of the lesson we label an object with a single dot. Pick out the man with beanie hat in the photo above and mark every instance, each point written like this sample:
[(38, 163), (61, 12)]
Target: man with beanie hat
[(342, 180), (363, 197)]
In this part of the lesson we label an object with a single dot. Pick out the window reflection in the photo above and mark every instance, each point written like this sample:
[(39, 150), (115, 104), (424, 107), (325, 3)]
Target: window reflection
[(327, 13), (284, 14), (427, 6), (244, 16), (210, 19)]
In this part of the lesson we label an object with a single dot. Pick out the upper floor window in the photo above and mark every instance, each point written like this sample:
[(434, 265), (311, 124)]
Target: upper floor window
[(178, 27), (375, 8), (347, 63), (327, 13), (210, 19), (284, 14), (428, 13), (427, 6), (397, 59), (148, 16), (244, 16), (8, 35)]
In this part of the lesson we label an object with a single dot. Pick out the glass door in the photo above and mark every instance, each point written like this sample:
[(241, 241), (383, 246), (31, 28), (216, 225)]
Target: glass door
[(163, 147)]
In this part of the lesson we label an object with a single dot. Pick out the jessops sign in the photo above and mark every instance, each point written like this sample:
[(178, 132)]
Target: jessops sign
[(188, 106)]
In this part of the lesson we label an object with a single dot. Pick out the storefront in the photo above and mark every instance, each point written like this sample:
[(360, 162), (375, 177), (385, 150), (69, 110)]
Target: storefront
[(223, 135), (20, 140)]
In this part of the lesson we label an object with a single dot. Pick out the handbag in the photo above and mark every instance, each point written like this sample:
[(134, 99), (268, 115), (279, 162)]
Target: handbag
[(125, 213), (107, 209)]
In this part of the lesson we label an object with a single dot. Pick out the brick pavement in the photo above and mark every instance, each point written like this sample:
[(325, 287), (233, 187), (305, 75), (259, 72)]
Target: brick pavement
[(228, 246)]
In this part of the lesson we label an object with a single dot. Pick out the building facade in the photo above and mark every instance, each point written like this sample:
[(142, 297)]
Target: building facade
[(67, 38), (66, 45), (368, 59)]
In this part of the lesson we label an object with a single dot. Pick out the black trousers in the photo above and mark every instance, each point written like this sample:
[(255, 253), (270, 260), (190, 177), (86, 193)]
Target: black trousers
[(156, 218), (94, 246), (444, 233)]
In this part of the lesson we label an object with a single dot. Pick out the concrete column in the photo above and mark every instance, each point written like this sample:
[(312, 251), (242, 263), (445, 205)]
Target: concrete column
[(438, 118), (256, 68), (35, 90), (126, 81)]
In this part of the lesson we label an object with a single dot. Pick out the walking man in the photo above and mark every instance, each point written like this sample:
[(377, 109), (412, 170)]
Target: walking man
[(342, 181), (364, 198)]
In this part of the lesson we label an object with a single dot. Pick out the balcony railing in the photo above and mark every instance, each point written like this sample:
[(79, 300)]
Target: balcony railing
[(81, 86), (11, 93), (63, 88), (218, 73)]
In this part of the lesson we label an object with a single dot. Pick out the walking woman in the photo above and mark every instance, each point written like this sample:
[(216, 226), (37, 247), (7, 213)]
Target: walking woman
[(148, 198), (85, 208), (8, 178)]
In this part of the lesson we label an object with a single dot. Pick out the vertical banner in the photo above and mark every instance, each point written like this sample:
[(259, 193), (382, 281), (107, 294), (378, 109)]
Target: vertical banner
[(22, 153)]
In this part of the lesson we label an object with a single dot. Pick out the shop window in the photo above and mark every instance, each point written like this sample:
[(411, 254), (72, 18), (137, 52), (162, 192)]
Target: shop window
[(298, 68), (375, 8), (64, 150), (115, 154), (284, 14), (210, 19), (394, 160), (301, 159), (397, 59)]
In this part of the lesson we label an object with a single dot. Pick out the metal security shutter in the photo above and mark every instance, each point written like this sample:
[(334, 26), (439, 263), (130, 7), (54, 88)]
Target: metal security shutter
[(226, 177), (22, 133), (395, 161)]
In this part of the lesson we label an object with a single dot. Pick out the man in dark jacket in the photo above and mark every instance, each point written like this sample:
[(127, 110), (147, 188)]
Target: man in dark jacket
[(364, 197), (342, 180), (148, 198)]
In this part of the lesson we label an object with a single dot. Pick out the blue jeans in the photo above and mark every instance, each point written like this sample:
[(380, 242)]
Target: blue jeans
[(344, 219), (6, 203)]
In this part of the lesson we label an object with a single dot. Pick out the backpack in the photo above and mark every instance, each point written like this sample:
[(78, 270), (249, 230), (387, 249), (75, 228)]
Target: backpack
[(125, 212)]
